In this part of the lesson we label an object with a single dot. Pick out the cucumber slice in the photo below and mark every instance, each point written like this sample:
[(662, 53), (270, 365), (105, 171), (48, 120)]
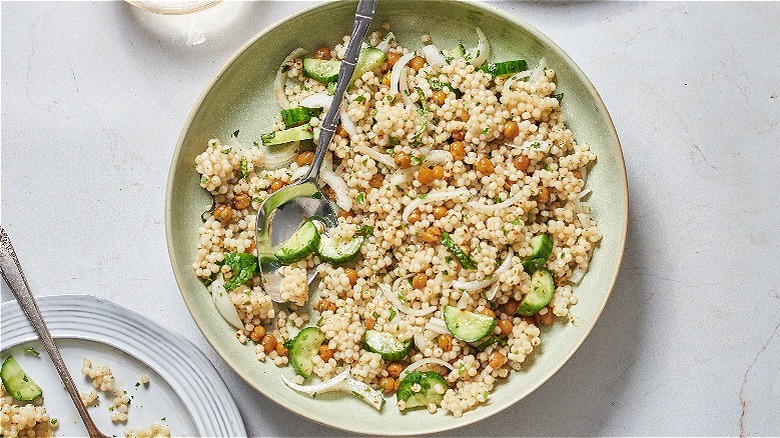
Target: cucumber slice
[(468, 326), (465, 261), (386, 344), (542, 246), (504, 68), (428, 381), (296, 116), (339, 251), (370, 59), (17, 382), (321, 70), (542, 289), (300, 245), (298, 133), (303, 348), (459, 51)]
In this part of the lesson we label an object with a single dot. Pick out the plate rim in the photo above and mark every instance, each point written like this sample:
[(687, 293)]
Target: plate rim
[(23, 332), (623, 180)]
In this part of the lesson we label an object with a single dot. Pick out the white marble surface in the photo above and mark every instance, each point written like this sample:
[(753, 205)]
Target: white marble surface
[(94, 96)]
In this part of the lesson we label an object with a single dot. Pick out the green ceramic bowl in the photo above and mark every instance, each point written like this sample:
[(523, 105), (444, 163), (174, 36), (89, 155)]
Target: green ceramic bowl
[(240, 96)]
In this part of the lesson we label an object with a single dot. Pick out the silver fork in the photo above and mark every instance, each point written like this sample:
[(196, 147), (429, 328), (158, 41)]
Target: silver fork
[(14, 277)]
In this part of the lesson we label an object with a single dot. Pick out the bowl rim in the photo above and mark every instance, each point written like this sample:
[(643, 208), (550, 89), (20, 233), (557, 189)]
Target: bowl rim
[(478, 415)]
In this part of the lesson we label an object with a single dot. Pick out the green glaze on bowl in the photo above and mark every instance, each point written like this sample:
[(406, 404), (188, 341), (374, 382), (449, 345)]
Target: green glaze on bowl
[(240, 97)]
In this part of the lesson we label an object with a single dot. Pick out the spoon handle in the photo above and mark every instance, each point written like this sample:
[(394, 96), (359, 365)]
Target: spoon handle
[(363, 16), (13, 275)]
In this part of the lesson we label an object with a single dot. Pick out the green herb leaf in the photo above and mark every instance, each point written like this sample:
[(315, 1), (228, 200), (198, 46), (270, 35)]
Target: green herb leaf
[(558, 96), (365, 230), (423, 196), (360, 198), (394, 141), (392, 314), (203, 179), (243, 266), (360, 98), (234, 134), (244, 167), (32, 351), (417, 161)]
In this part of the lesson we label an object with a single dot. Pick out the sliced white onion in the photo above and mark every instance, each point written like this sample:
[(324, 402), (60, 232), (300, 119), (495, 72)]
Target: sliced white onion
[(438, 157), (375, 155), (364, 392), (222, 302), (317, 100), (481, 53), (584, 173), (584, 193), (422, 362), (331, 384), (538, 71), (576, 275), (438, 196), (404, 89), (398, 67), (479, 284), (544, 145), (402, 176), (489, 208), (436, 327), (339, 187), (464, 300), (523, 74), (282, 155), (384, 46), (347, 123), (388, 293), (493, 291), (420, 342), (281, 77), (434, 56), (299, 173)]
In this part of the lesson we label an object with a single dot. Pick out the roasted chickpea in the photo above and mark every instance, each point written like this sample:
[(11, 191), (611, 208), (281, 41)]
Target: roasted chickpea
[(425, 175), (322, 53), (439, 212), (488, 312), (439, 97), (496, 360), (223, 213), (304, 158), (277, 184), (376, 181), (521, 163), (251, 248), (268, 343), (457, 150), (577, 174), (325, 353), (414, 216), (392, 58), (352, 275), (387, 385), (459, 135), (342, 132), (370, 323), (419, 280), (528, 320), (281, 350), (511, 130), (403, 160), (345, 214), (545, 319), (386, 80), (465, 116), (431, 235), (505, 325), (509, 308), (485, 166), (543, 196), (438, 172), (241, 201), (417, 63), (257, 333), (394, 369), (445, 342)]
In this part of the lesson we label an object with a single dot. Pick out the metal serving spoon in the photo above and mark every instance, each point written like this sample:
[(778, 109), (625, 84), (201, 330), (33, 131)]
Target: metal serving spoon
[(282, 212), (13, 275)]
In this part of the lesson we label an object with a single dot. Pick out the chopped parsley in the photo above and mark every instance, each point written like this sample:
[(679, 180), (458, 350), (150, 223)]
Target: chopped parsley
[(360, 98), (392, 313), (558, 96), (224, 151), (417, 161), (365, 230), (244, 167), (234, 134), (394, 141), (402, 297), (32, 351), (360, 198), (423, 196), (485, 131), (204, 179)]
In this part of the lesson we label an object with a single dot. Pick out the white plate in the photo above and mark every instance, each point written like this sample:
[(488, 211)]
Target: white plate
[(185, 390)]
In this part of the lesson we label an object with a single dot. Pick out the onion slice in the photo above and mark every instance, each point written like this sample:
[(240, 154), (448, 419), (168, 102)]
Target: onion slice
[(281, 77), (435, 326), (489, 208), (223, 304), (481, 53), (347, 123), (438, 157), (438, 196), (299, 173), (395, 75), (493, 291), (576, 275), (479, 284), (402, 176), (342, 382), (384, 46), (388, 293), (364, 392), (317, 100), (375, 155), (339, 187), (422, 362), (434, 56), (538, 71)]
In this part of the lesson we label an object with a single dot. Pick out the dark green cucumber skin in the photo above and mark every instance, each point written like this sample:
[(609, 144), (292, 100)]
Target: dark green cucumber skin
[(542, 291), (287, 255), (298, 133), (295, 116), (451, 313), (504, 68), (296, 350), (465, 261), (10, 366), (542, 252), (386, 354), (427, 380)]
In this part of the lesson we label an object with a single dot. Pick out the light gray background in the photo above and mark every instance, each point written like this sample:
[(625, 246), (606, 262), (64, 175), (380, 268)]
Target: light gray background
[(94, 96)]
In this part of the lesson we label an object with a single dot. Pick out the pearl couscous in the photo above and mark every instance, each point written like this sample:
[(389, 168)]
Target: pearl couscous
[(26, 420), (449, 172)]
